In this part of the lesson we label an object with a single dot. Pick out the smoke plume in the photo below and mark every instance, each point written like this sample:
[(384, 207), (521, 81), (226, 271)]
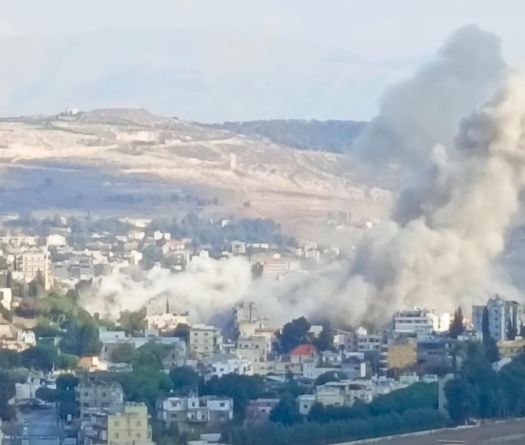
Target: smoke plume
[(440, 248), (425, 110)]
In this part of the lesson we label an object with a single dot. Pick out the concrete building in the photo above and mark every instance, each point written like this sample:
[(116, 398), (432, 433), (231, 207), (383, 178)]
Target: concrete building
[(95, 395), (128, 426), (167, 321), (32, 263), (255, 350), (503, 317), (6, 298), (204, 340), (369, 342), (192, 414), (232, 365), (420, 321)]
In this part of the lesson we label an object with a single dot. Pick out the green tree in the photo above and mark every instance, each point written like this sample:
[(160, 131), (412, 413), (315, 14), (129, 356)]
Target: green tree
[(7, 392), (325, 341), (293, 334), (66, 392), (286, 411), (330, 376), (457, 326), (462, 402), (46, 394), (42, 357), (185, 380), (133, 323), (67, 361), (123, 353), (150, 355)]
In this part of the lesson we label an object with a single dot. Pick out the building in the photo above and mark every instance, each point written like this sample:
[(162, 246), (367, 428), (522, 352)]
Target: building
[(6, 298), (94, 395), (369, 343), (254, 349), (504, 318), (167, 321), (204, 340), (126, 426), (401, 355), (192, 414), (420, 321), (232, 365), (303, 352), (258, 410), (32, 264)]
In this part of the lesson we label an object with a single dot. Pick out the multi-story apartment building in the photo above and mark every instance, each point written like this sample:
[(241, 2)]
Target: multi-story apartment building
[(190, 413), (32, 264), (254, 349), (94, 395), (503, 317), (204, 340), (127, 426), (420, 321)]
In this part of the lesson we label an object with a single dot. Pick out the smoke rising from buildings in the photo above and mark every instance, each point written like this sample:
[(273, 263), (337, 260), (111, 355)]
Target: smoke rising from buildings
[(439, 249), (424, 110)]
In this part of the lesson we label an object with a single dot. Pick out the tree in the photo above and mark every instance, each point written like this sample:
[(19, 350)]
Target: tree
[(133, 323), (150, 355), (462, 402), (46, 394), (485, 327), (330, 376), (9, 280), (66, 391), (325, 341), (490, 348), (123, 353), (185, 380), (293, 334), (42, 357), (7, 392), (241, 388), (456, 326), (82, 338), (67, 361), (286, 411)]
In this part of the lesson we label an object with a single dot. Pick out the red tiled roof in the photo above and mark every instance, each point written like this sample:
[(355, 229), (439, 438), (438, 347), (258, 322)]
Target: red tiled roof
[(304, 350)]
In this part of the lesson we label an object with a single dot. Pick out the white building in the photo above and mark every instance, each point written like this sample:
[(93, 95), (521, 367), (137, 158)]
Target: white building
[(255, 350), (234, 365), (204, 340), (503, 316), (167, 321), (56, 240), (420, 321), (188, 412), (31, 263), (6, 298)]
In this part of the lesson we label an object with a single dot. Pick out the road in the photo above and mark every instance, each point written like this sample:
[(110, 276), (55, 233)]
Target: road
[(502, 433)]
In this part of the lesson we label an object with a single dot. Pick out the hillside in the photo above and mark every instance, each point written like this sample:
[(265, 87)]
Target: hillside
[(131, 160), (332, 135)]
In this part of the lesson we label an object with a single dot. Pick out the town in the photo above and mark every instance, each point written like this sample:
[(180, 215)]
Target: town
[(162, 375)]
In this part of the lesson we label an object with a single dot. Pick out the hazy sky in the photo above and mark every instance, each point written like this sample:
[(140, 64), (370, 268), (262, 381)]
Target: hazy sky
[(220, 60)]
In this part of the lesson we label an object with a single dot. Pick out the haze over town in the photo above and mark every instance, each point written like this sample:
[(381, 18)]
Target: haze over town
[(296, 223)]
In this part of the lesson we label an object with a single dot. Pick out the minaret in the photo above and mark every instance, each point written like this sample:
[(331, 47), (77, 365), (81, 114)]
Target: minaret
[(167, 305)]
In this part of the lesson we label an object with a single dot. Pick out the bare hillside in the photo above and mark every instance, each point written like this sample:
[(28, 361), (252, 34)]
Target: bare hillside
[(130, 158)]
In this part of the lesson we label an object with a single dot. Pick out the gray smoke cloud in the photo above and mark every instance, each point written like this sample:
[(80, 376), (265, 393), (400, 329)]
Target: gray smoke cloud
[(441, 255), (425, 109)]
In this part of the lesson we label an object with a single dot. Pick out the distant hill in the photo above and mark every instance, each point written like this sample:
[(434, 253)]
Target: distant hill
[(332, 135)]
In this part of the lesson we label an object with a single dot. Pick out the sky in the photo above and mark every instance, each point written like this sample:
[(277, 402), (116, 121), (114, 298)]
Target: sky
[(219, 60)]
